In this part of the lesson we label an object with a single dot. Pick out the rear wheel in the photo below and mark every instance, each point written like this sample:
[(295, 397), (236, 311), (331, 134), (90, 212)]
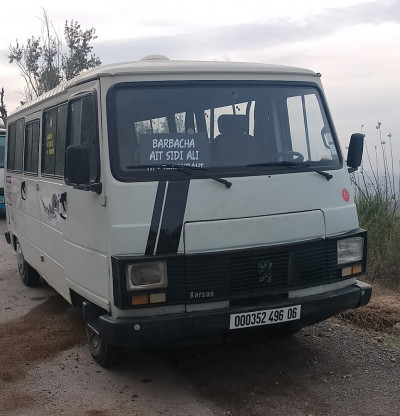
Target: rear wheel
[(28, 274)]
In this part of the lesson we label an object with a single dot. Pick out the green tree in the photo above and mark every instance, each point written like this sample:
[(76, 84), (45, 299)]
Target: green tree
[(78, 57), (44, 64)]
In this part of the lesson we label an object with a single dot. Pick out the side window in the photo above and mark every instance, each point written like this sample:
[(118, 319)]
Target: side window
[(2, 146), (12, 128), (82, 119), (31, 155), (53, 143), (61, 139), (308, 133), (15, 146), (48, 143)]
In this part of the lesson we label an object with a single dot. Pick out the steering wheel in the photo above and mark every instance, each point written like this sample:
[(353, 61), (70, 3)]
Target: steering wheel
[(295, 156)]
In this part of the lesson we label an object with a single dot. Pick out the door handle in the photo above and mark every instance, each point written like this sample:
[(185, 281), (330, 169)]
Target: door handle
[(63, 199), (23, 190)]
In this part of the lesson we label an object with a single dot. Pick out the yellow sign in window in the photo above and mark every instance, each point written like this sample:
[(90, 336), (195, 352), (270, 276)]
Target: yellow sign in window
[(49, 144)]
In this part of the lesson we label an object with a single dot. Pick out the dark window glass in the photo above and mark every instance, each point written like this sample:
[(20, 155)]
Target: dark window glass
[(15, 146), (83, 130), (31, 156), (48, 143), (19, 145), (35, 146), (61, 137), (28, 148), (53, 144), (2, 143), (11, 146)]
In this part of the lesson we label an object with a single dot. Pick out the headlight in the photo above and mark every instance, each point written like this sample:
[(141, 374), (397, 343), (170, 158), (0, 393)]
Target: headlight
[(350, 250), (150, 275)]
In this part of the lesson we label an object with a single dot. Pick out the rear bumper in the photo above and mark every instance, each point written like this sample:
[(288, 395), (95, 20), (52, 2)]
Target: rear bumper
[(198, 327)]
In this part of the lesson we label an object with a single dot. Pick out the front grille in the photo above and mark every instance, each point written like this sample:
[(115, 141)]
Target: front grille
[(250, 274), (262, 271)]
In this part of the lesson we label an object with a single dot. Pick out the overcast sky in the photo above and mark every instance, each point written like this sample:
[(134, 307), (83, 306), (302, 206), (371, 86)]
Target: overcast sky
[(355, 44)]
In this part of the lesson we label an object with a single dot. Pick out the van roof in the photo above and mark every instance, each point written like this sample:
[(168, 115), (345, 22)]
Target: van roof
[(160, 65)]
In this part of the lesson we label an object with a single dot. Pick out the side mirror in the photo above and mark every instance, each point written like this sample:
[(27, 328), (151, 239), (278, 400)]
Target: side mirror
[(77, 165), (354, 155)]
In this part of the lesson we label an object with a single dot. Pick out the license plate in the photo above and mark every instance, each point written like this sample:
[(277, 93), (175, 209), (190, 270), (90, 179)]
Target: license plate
[(265, 317)]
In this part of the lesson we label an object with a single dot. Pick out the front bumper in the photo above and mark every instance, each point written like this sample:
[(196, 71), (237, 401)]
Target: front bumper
[(198, 327)]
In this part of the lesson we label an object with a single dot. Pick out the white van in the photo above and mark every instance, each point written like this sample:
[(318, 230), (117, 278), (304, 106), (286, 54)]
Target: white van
[(186, 201)]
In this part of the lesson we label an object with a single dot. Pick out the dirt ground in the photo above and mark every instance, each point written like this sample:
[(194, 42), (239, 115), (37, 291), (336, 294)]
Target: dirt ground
[(333, 368)]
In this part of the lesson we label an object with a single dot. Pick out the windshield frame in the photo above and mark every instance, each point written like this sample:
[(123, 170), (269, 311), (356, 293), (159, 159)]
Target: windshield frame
[(144, 174)]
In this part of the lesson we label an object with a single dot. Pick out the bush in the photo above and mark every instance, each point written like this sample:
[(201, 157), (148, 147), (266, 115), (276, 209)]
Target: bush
[(378, 202), (380, 217)]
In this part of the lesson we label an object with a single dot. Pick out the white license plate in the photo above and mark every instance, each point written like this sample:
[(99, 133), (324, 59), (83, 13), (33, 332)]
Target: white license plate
[(265, 317)]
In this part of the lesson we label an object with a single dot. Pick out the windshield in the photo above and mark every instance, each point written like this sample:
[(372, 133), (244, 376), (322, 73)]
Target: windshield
[(2, 141), (232, 128)]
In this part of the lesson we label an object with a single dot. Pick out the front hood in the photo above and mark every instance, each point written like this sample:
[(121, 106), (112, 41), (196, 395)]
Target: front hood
[(207, 236), (266, 210)]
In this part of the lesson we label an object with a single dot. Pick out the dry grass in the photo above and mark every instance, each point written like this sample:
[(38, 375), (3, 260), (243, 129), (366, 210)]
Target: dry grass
[(381, 314)]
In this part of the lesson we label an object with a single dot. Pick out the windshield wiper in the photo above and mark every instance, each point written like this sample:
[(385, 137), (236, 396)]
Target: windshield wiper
[(326, 175), (189, 170)]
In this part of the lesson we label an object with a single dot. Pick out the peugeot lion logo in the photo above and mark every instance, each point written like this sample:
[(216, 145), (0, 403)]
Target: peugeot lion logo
[(265, 271)]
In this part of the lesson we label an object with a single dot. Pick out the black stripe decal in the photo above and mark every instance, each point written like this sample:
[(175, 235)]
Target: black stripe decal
[(155, 221), (172, 220)]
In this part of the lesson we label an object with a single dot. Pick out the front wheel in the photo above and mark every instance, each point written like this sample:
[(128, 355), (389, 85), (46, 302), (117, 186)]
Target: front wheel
[(28, 274), (105, 354)]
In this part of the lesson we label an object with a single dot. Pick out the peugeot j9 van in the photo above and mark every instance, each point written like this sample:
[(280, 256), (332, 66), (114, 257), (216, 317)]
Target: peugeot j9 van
[(186, 201)]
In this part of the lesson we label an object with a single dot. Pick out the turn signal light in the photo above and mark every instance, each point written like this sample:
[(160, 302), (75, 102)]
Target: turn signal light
[(137, 300), (140, 300), (348, 271)]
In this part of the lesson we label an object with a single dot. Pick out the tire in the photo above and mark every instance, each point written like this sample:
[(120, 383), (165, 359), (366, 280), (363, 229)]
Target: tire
[(28, 274), (105, 354)]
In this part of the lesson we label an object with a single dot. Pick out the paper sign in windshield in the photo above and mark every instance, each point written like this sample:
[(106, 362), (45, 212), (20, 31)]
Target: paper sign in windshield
[(174, 149)]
